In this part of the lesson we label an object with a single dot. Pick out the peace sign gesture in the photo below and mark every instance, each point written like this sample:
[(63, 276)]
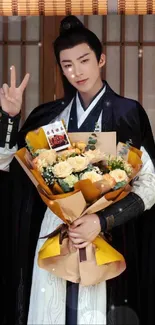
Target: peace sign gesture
[(11, 97)]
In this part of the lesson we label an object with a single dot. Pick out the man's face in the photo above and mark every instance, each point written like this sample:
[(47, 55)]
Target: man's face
[(80, 66)]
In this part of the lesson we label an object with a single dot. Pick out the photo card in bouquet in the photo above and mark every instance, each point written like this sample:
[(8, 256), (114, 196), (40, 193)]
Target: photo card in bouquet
[(56, 136)]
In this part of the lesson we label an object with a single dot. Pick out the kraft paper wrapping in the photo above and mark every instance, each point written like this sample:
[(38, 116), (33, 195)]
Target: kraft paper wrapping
[(101, 258), (59, 257)]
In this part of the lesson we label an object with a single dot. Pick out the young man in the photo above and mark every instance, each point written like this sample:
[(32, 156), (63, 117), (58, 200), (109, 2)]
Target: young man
[(88, 101)]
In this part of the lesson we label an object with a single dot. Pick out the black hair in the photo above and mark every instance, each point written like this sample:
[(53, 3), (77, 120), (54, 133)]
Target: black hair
[(72, 33)]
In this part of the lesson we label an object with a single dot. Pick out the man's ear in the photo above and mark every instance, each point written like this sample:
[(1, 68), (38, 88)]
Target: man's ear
[(102, 60)]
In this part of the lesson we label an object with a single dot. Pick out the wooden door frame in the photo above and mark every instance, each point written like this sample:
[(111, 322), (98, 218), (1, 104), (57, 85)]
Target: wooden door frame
[(50, 80)]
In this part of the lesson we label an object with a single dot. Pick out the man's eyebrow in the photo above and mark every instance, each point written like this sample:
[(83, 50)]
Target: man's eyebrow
[(79, 58), (82, 56)]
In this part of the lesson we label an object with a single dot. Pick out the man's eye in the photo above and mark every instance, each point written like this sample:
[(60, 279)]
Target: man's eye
[(85, 60), (68, 66)]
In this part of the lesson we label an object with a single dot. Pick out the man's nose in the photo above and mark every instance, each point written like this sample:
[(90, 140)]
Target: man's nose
[(77, 71)]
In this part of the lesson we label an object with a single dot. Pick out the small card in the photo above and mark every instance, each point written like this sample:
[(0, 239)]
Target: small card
[(56, 136)]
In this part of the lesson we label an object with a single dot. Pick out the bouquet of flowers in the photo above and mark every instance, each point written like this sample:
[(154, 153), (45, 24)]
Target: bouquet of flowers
[(81, 163), (83, 178)]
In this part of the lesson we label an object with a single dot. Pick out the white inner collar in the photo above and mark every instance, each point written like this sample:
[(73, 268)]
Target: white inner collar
[(81, 113)]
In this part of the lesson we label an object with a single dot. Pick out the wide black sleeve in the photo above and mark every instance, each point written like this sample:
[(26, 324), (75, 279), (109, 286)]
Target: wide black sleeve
[(21, 212), (8, 129), (121, 212), (132, 205), (147, 139)]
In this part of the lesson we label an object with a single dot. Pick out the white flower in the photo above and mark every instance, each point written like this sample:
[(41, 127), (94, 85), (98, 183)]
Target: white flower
[(63, 155), (38, 151), (62, 169), (119, 175), (128, 168), (78, 163), (46, 157), (93, 176), (49, 155), (94, 156), (71, 180), (39, 164)]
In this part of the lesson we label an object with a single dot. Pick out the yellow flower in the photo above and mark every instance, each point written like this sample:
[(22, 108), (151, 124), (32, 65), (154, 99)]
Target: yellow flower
[(80, 145), (62, 169), (108, 178)]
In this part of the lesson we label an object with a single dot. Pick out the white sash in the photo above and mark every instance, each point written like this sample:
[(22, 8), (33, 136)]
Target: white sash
[(48, 293)]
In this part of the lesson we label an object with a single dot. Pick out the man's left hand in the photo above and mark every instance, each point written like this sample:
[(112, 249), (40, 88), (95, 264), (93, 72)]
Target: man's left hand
[(84, 230)]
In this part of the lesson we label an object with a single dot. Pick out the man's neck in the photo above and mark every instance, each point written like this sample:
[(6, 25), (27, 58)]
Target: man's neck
[(88, 97)]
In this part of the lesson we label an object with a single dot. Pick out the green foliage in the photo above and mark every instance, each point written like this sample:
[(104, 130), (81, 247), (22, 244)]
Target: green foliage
[(92, 140), (30, 149), (48, 175), (65, 187), (119, 185), (116, 164)]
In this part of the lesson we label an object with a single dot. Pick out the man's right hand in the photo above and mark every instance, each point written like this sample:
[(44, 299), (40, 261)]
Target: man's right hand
[(11, 97)]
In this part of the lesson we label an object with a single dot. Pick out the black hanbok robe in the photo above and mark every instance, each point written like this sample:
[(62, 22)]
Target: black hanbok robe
[(131, 294)]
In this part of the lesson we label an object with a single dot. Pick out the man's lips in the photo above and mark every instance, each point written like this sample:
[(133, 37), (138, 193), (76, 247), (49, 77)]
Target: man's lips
[(81, 81)]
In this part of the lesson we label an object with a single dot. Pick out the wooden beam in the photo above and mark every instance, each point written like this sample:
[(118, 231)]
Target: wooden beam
[(41, 60), (122, 56), (140, 61), (104, 43), (23, 62), (86, 20), (58, 93), (107, 43), (5, 49), (49, 60)]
